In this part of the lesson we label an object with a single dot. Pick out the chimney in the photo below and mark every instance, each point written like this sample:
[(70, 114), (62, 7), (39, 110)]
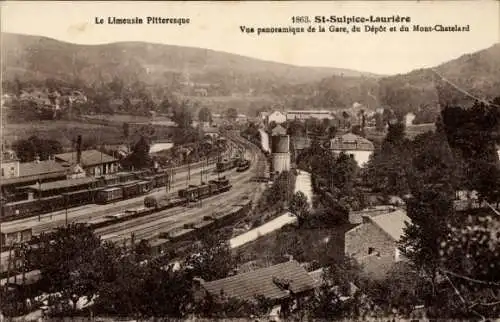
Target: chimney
[(79, 149)]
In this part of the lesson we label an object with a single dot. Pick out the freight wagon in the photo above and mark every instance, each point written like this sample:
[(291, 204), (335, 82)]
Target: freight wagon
[(109, 195)]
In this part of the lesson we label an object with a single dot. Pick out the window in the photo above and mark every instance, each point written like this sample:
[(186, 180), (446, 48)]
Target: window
[(3, 172), (370, 250)]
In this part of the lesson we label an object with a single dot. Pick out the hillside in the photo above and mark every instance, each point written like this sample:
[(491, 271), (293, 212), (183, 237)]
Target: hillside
[(477, 73), (223, 80), (34, 57)]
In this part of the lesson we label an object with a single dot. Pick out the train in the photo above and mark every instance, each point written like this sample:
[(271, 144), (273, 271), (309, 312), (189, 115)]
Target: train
[(182, 237), (189, 194), (227, 164), (104, 190), (243, 165), (194, 193)]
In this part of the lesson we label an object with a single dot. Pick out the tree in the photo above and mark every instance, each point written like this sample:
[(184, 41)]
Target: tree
[(295, 128), (434, 163), (66, 259), (126, 130), (182, 116), (212, 258), (299, 206), (139, 158), (331, 132), (430, 211), (28, 149), (388, 167), (474, 133), (204, 115), (231, 114), (346, 117)]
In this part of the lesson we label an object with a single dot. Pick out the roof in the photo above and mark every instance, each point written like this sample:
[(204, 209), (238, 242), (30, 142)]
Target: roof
[(351, 141), (89, 157), (40, 167), (26, 179), (61, 184), (263, 282), (309, 112), (278, 130), (393, 223)]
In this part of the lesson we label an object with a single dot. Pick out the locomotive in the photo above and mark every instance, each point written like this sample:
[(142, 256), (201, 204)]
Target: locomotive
[(226, 164)]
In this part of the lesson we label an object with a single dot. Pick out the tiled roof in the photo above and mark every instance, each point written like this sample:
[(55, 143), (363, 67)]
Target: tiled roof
[(40, 167), (393, 223), (61, 184), (89, 157), (351, 141), (260, 282)]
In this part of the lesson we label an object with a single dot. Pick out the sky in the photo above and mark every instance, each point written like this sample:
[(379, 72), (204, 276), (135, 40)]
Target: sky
[(217, 26)]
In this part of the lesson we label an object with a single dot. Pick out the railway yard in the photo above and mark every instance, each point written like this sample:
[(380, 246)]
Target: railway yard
[(159, 226)]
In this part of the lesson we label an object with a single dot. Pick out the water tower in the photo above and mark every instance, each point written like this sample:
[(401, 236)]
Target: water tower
[(280, 148)]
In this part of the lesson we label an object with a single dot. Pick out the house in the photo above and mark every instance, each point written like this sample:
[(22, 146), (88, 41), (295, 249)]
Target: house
[(354, 145), (307, 114), (282, 284), (94, 162), (276, 117), (374, 243)]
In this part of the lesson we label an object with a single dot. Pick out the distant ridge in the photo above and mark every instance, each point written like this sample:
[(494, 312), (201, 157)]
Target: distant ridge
[(40, 57)]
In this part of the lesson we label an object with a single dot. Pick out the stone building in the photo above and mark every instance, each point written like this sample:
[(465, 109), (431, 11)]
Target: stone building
[(374, 243)]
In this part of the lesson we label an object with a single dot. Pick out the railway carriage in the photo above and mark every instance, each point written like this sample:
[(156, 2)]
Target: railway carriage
[(109, 195), (78, 198), (130, 190)]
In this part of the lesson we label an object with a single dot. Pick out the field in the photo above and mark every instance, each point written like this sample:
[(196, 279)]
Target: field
[(94, 132), (411, 132), (62, 131)]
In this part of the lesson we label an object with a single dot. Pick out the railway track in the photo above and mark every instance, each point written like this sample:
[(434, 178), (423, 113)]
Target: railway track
[(52, 220), (150, 226)]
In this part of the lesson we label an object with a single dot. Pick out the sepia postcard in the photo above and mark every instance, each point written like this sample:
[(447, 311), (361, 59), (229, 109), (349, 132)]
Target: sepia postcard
[(250, 161)]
